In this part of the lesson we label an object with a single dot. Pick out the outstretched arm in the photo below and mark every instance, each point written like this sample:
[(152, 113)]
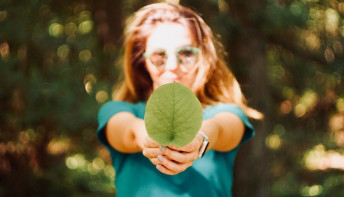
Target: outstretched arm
[(125, 132)]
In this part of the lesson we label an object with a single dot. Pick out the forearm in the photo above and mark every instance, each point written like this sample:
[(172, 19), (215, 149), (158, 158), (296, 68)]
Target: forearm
[(125, 132), (224, 131)]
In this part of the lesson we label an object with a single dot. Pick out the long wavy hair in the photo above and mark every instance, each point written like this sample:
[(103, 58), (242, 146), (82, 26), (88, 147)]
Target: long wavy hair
[(214, 82)]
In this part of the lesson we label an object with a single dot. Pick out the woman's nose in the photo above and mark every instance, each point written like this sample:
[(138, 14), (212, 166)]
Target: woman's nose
[(171, 63)]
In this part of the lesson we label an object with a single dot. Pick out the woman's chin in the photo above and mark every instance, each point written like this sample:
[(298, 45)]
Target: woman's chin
[(170, 81)]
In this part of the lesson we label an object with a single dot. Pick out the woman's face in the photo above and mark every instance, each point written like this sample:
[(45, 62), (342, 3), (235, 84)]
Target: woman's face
[(171, 55)]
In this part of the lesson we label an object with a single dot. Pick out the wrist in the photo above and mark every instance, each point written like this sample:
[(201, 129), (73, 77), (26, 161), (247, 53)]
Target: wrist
[(204, 144), (139, 134)]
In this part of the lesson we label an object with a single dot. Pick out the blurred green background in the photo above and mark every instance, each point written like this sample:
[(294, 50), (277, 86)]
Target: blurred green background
[(60, 60)]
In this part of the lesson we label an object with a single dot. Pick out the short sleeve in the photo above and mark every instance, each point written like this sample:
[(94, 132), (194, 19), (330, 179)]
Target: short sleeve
[(108, 110), (232, 108)]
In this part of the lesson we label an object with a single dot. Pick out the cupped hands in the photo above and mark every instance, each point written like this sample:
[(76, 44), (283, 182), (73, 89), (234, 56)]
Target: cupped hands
[(172, 160)]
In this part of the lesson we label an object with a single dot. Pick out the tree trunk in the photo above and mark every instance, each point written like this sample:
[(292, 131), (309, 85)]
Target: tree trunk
[(108, 18), (248, 61), (252, 164)]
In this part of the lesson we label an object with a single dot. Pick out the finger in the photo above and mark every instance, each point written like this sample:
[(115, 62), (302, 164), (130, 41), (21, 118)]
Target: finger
[(155, 161), (151, 152), (164, 170), (187, 148), (194, 145), (158, 160), (180, 157), (173, 166)]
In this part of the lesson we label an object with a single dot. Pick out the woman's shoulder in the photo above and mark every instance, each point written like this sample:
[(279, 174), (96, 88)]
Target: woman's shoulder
[(212, 110), (111, 108), (121, 106)]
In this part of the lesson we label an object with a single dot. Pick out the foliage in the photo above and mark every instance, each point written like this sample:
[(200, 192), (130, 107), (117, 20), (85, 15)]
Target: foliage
[(59, 62), (50, 58)]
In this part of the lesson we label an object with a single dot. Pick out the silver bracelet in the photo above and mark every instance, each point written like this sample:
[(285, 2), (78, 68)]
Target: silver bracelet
[(204, 144)]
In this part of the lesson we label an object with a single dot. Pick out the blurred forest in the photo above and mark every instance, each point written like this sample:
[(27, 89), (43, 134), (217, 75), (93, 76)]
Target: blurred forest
[(60, 59)]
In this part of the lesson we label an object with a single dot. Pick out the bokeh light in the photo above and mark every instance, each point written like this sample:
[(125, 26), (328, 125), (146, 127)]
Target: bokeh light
[(337, 122), (89, 82), (306, 102), (340, 104), (332, 20), (85, 55), (286, 107), (93, 166), (314, 190), (318, 158), (329, 55), (70, 28), (4, 50), (63, 52), (56, 29), (273, 141), (58, 146), (223, 6), (85, 26), (102, 96), (76, 161)]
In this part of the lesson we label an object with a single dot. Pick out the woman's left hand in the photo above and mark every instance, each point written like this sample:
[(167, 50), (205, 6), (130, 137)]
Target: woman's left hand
[(172, 160)]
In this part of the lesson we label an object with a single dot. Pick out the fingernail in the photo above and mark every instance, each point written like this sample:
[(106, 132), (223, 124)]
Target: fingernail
[(159, 167), (161, 158), (162, 148)]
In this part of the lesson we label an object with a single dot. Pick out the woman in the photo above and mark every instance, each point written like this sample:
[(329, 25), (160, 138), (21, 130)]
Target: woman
[(166, 43)]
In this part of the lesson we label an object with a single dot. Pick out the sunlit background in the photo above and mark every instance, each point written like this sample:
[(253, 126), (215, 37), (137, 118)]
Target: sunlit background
[(60, 61)]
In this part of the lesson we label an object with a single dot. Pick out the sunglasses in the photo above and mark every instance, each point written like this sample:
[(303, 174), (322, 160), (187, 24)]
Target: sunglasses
[(186, 56)]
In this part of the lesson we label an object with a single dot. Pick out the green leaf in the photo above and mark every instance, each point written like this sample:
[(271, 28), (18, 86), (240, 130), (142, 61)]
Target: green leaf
[(173, 115)]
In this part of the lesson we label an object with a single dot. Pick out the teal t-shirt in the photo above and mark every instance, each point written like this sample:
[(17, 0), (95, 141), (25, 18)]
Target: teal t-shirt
[(136, 176)]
